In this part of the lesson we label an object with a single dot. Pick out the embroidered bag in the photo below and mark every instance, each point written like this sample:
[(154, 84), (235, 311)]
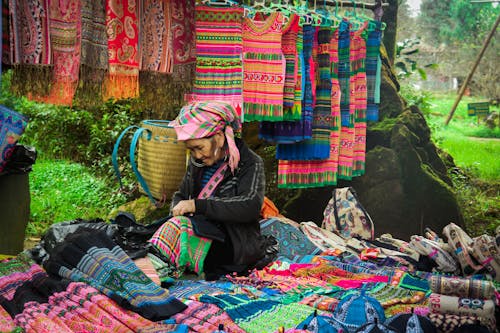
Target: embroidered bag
[(12, 125), (345, 215)]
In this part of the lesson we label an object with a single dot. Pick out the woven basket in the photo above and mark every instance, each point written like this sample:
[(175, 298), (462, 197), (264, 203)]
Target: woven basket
[(161, 159)]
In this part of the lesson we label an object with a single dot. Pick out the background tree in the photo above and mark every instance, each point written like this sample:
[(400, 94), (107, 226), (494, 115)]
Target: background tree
[(454, 31)]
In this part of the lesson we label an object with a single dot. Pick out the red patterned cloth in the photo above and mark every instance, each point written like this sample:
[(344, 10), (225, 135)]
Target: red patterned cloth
[(65, 23), (123, 45), (183, 28)]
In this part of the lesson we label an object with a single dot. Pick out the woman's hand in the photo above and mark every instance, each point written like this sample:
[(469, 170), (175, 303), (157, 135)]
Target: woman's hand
[(184, 207)]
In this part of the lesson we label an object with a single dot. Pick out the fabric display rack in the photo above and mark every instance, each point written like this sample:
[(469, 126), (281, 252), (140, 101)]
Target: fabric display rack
[(309, 76)]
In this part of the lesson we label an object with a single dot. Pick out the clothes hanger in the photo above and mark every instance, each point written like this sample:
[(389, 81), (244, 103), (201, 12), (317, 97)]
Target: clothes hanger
[(220, 3)]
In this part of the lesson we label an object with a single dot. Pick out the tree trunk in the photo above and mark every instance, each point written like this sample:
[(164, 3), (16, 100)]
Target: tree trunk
[(390, 17)]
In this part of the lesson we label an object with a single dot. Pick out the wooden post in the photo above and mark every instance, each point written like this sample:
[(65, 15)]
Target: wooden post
[(473, 69)]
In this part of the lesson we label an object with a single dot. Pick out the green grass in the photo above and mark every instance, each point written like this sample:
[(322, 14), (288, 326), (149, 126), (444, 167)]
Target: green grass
[(64, 191), (475, 149), (473, 145)]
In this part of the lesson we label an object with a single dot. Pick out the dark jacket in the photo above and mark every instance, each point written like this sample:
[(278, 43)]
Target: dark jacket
[(236, 203)]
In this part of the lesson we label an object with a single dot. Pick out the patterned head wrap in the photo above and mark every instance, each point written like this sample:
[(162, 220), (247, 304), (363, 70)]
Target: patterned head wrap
[(203, 119)]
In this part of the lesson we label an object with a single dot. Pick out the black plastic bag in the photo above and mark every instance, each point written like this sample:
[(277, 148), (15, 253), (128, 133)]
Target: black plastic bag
[(58, 232), (21, 161)]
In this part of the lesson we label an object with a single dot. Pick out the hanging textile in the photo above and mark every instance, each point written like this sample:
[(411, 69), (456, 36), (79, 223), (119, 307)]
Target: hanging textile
[(291, 131), (65, 36), (183, 32), (28, 46), (156, 45), (218, 55), (346, 152), (121, 26), (358, 69), (302, 129), (289, 47), (372, 60), (30, 32), (316, 173), (263, 68), (6, 57), (94, 51)]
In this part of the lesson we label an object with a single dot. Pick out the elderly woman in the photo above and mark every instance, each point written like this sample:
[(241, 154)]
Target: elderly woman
[(215, 225)]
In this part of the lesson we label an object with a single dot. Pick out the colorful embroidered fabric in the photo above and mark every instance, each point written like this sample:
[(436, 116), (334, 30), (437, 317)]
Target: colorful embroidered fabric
[(93, 258), (156, 36), (289, 47), (218, 55), (81, 308), (291, 132), (484, 308), (358, 86), (263, 68), (389, 295), (461, 287), (205, 318), (6, 322), (12, 125), (29, 23), (259, 315), (291, 240), (372, 60), (65, 23), (14, 272), (304, 174), (176, 240), (346, 151), (123, 49)]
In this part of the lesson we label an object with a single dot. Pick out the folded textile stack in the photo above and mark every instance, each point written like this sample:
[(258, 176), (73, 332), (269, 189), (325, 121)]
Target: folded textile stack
[(460, 301)]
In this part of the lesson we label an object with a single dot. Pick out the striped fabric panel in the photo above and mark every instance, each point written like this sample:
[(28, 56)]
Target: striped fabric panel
[(358, 50), (219, 68), (289, 48), (372, 56), (296, 151), (291, 131), (346, 151), (263, 64)]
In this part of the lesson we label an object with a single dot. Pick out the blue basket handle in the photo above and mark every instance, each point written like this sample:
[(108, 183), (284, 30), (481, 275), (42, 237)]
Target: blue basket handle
[(140, 179), (114, 155)]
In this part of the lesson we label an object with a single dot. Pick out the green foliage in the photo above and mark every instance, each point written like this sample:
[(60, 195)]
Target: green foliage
[(417, 97), (479, 200), (457, 21), (62, 191)]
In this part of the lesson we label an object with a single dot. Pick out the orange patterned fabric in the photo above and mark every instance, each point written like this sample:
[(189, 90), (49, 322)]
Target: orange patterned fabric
[(65, 26), (123, 46)]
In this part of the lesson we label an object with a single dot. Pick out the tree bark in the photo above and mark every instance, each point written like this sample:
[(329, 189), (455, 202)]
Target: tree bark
[(390, 17)]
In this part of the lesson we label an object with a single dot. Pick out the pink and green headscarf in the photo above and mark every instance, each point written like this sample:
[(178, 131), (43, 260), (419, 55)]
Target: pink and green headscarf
[(203, 119)]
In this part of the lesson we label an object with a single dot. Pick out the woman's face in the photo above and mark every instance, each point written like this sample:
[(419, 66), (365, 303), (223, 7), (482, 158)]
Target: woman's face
[(207, 150)]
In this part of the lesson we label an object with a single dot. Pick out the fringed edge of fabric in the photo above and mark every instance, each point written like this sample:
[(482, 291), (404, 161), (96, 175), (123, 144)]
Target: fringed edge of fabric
[(89, 89), (119, 86), (31, 80)]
